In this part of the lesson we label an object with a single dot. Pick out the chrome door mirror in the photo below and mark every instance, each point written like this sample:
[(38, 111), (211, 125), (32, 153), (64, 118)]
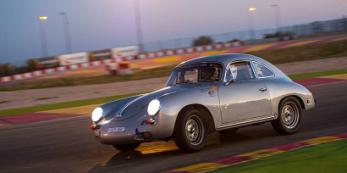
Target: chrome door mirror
[(229, 78), (228, 82)]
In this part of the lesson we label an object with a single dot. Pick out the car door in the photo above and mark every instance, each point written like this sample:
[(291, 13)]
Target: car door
[(244, 99)]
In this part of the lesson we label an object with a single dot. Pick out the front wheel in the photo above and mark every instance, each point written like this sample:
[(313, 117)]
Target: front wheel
[(190, 131), (126, 147), (289, 118)]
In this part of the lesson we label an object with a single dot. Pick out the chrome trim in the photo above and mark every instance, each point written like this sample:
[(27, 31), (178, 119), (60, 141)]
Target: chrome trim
[(246, 122)]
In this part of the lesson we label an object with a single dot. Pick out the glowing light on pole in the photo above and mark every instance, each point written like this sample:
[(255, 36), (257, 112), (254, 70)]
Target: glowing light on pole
[(251, 10), (43, 19)]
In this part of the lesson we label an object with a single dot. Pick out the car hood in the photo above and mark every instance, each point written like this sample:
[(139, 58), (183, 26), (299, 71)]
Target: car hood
[(137, 105)]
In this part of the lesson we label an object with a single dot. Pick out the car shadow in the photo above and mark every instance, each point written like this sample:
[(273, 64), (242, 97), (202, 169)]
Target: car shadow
[(129, 159), (157, 151)]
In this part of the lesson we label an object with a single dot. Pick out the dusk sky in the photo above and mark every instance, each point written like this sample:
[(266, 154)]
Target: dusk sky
[(98, 24)]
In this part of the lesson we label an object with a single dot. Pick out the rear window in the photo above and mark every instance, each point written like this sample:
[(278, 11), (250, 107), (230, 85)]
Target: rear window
[(263, 71)]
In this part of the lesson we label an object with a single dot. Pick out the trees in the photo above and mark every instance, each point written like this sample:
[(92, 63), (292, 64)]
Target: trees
[(6, 69), (280, 36), (202, 40), (32, 64), (9, 69)]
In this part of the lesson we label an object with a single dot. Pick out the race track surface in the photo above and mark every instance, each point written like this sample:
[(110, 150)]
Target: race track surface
[(69, 146)]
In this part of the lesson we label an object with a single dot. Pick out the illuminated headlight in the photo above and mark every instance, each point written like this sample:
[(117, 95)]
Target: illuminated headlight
[(97, 114), (153, 107)]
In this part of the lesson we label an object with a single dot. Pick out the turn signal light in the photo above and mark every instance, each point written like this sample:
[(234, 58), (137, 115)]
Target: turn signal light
[(93, 126), (149, 121)]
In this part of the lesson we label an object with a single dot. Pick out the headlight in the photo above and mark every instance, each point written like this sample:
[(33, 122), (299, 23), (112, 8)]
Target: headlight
[(97, 114), (153, 107)]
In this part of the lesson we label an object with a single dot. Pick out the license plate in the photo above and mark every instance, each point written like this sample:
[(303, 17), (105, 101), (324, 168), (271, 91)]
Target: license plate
[(116, 129)]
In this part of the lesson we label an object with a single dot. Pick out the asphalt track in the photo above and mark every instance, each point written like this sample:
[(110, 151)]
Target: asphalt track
[(69, 146)]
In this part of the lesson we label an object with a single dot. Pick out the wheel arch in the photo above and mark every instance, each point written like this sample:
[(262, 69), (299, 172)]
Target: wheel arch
[(207, 116), (298, 98)]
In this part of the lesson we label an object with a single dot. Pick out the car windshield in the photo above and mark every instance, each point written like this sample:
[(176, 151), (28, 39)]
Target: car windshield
[(193, 74)]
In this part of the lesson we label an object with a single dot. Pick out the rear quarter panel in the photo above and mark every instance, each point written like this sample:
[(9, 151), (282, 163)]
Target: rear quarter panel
[(279, 89)]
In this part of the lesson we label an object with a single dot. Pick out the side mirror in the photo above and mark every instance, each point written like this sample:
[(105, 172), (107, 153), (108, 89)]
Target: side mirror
[(229, 80)]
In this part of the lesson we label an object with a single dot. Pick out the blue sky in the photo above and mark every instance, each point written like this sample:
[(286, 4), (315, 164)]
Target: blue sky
[(98, 24)]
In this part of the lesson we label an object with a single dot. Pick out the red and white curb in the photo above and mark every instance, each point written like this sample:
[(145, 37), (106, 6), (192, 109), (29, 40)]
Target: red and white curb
[(254, 155), (119, 66)]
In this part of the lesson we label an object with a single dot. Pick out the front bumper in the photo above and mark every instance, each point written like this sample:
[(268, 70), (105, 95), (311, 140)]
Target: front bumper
[(107, 137), (132, 129), (121, 131)]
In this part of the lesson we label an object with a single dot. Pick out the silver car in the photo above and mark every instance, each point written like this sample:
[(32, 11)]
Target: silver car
[(215, 93)]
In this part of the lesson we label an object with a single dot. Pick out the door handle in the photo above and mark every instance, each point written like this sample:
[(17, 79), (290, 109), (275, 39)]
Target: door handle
[(263, 89)]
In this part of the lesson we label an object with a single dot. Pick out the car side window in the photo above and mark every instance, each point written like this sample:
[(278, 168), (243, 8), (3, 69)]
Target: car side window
[(263, 71), (189, 75), (241, 71)]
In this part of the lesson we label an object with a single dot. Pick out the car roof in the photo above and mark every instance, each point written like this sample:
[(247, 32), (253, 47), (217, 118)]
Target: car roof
[(224, 59)]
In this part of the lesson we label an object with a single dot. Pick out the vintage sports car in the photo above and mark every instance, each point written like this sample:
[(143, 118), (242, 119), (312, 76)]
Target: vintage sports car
[(203, 95)]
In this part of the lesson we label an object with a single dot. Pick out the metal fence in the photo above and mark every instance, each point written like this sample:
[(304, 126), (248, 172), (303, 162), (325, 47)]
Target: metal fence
[(302, 30)]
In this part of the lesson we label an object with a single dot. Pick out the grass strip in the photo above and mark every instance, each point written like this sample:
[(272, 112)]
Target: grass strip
[(301, 76), (68, 104), (329, 157)]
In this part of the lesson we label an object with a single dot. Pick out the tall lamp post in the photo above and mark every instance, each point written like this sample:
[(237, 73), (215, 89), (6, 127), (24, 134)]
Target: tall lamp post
[(138, 23), (43, 19), (66, 32), (277, 16), (251, 11)]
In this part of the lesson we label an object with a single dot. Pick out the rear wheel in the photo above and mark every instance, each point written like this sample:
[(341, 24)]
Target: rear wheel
[(289, 118), (190, 131), (126, 147)]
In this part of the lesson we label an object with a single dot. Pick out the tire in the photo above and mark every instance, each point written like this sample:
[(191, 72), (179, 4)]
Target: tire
[(126, 147), (190, 131), (289, 116), (229, 131)]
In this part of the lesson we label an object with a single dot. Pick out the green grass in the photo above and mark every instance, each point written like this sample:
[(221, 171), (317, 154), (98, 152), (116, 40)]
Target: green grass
[(304, 53), (317, 74), (76, 103), (292, 54), (330, 157), (69, 104)]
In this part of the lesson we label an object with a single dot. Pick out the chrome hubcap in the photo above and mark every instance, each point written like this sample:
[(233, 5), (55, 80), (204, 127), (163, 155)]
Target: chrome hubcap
[(194, 130), (290, 115)]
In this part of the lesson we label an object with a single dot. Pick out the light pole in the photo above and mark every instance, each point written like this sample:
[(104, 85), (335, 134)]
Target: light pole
[(251, 11), (43, 19), (138, 24), (66, 32), (277, 16)]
